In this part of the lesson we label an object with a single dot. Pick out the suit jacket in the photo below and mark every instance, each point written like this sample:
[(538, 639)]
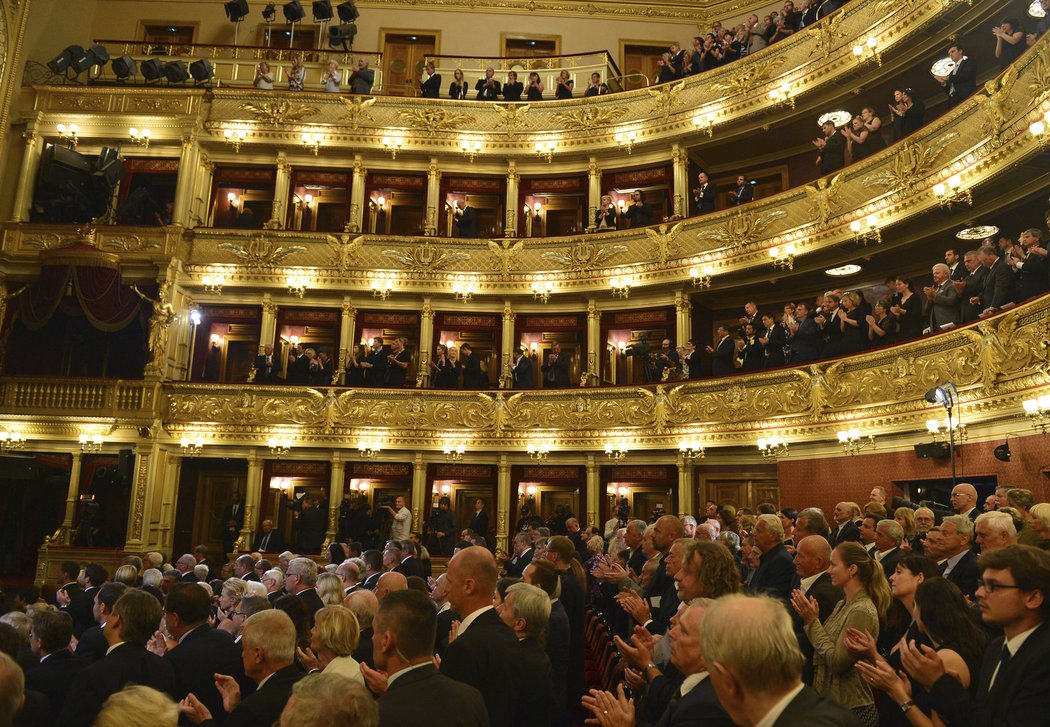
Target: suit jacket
[(965, 573), (556, 375), (265, 705), (92, 644), (890, 560), (203, 653), (699, 708), (998, 286), (363, 653), (973, 284), (473, 377), (1018, 697), (558, 653), (227, 516), (743, 194), (480, 523), (265, 374), (775, 571), (274, 545), (444, 628), (722, 358), (812, 709), (312, 524), (1032, 278), (53, 676), (661, 616), (704, 202), (81, 607), (431, 88), (827, 596), (424, 697), (516, 565), (833, 156), (312, 601), (524, 376), (533, 679), (773, 349), (36, 710), (369, 584), (126, 664), (487, 657), (944, 307), (962, 81), (805, 341), (410, 566)]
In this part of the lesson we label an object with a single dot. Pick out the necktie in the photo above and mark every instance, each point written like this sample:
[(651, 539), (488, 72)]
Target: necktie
[(1004, 660), (265, 542)]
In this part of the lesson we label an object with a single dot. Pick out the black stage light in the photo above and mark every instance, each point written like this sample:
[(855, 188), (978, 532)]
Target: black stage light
[(124, 67), (152, 70), (64, 60), (175, 72), (342, 35), (96, 56), (236, 10), (348, 11), (322, 10), (202, 70), (293, 11), (269, 12)]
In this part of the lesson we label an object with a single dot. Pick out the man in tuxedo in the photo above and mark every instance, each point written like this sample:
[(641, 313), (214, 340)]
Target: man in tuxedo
[(556, 370), (812, 559), (805, 336), (944, 301), (832, 149), (704, 195), (300, 581), (956, 269), (232, 522), (479, 523), (57, 667), (960, 565), (201, 651), (488, 88), (522, 547), (521, 371), (268, 657), (722, 353), (485, 653), (845, 529), (964, 500), (970, 286), (266, 367), (755, 667), (998, 285), (962, 81), (410, 565), (743, 192), (417, 693), (526, 611), (776, 568), (888, 538), (131, 624), (1014, 679)]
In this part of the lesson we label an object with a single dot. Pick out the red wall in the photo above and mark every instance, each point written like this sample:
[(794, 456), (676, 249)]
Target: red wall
[(825, 482)]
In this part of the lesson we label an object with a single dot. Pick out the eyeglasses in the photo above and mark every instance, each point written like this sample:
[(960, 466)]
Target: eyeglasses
[(992, 586)]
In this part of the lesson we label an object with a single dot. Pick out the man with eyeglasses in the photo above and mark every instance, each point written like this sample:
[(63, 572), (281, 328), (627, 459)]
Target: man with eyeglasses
[(1014, 594), (964, 500)]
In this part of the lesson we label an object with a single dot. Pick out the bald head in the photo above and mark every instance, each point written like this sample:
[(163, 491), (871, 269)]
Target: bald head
[(471, 578), (388, 583), (667, 530), (362, 604), (812, 556), (964, 498)]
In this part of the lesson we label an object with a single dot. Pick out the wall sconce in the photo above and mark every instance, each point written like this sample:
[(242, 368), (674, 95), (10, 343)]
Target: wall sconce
[(773, 447), (140, 136), (938, 429), (705, 124), (191, 446), (294, 340), (701, 278), (545, 149), (234, 201), (526, 493), (868, 48), (195, 317), (91, 443), (783, 259), (470, 148), (68, 134), (213, 284), (616, 451), (542, 289), (539, 452), (464, 287), (621, 347), (1038, 128), (379, 203), (852, 442), (369, 449), (312, 141), (533, 348), (1037, 410), (235, 137), (279, 446), (453, 452), (281, 484), (951, 194), (691, 449), (382, 284), (621, 286), (307, 201), (626, 139), (393, 145), (867, 230), (215, 339), (781, 96), (297, 284), (11, 440)]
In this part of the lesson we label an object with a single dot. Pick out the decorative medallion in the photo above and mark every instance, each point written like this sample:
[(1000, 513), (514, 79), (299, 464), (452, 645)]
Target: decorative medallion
[(355, 109), (664, 241), (824, 196), (260, 253), (585, 256), (741, 229), (512, 117), (667, 96), (505, 253), (279, 113)]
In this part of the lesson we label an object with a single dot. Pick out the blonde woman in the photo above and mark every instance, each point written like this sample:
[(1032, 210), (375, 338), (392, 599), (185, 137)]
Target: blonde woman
[(565, 86), (330, 589), (331, 78), (332, 642)]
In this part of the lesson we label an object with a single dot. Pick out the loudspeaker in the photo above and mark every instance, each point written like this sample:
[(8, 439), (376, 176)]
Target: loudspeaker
[(1002, 452), (936, 450), (125, 465)]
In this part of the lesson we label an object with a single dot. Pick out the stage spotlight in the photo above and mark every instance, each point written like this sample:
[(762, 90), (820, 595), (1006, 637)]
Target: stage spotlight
[(342, 35), (236, 10), (124, 67), (201, 71), (96, 55), (293, 11), (175, 72), (66, 59), (348, 11), (151, 70), (322, 10), (269, 12)]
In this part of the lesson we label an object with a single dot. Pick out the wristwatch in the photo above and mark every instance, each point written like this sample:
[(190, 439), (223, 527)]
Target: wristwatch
[(907, 705)]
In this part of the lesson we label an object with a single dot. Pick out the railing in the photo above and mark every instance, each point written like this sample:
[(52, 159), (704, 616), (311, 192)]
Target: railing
[(580, 67), (89, 397)]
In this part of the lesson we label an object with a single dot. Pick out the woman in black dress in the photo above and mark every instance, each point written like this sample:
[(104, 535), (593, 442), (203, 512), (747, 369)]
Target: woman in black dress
[(882, 326), (854, 327), (874, 126), (565, 84), (443, 371), (513, 88), (908, 311), (859, 139), (535, 89), (458, 88)]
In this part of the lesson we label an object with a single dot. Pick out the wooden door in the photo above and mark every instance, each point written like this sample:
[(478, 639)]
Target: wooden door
[(549, 497), (404, 54), (639, 59), (740, 490), (214, 492)]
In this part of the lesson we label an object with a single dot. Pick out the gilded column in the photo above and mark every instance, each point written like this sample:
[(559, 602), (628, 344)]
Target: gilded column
[(683, 319), (430, 227), (281, 192), (162, 537), (268, 327), (686, 496), (419, 491), (27, 175), (201, 203), (71, 498), (426, 343), (180, 214), (503, 500), (594, 495), (148, 469), (594, 342), (252, 499), (594, 189), (335, 499), (346, 337), (507, 344), (510, 226), (680, 162), (357, 196)]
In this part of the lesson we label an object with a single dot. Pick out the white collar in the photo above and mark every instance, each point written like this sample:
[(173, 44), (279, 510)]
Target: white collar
[(774, 714), (806, 583), (692, 681), (446, 607), (406, 670), (470, 619), (1017, 641), (110, 649)]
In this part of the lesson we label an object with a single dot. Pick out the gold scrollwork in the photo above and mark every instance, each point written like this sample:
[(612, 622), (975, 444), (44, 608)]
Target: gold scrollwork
[(911, 164), (741, 228), (584, 256), (261, 253), (279, 113), (425, 258), (825, 197), (664, 241), (433, 120), (590, 118), (505, 252)]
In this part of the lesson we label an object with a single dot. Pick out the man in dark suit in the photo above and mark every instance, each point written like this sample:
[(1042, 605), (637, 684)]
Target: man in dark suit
[(776, 568), (743, 192), (311, 523), (50, 638), (944, 301), (300, 581), (373, 569), (960, 566), (756, 667), (543, 575), (773, 337), (185, 565), (268, 646), (473, 376), (704, 195), (888, 538), (1014, 679), (956, 269), (556, 370), (92, 643), (417, 693), (812, 558), (522, 547), (266, 367), (524, 376), (232, 522), (845, 530), (410, 565), (832, 149), (364, 604), (751, 317), (467, 221), (82, 604), (68, 573), (131, 624), (998, 285), (485, 653), (805, 336), (722, 353), (961, 82), (479, 523), (1031, 264), (526, 611), (970, 286)]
